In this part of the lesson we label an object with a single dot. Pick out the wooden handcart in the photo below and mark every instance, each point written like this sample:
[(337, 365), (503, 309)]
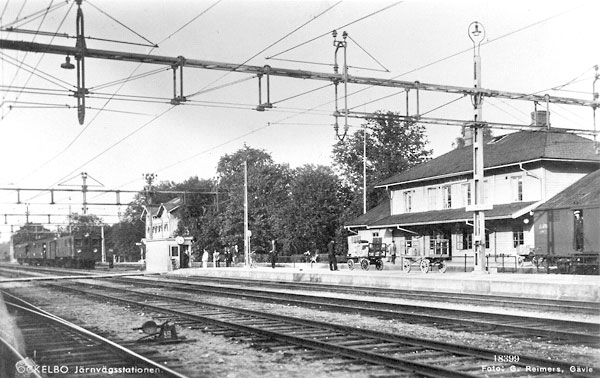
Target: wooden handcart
[(375, 255)]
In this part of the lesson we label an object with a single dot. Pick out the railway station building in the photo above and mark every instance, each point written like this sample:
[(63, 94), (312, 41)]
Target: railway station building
[(165, 251), (426, 211)]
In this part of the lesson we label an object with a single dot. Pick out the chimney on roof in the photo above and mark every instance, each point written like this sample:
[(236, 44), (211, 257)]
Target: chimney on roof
[(540, 118), (467, 135)]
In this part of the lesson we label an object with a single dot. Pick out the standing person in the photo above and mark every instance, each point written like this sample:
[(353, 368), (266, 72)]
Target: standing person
[(215, 258), (204, 259), (273, 253), (578, 231), (331, 254), (393, 251)]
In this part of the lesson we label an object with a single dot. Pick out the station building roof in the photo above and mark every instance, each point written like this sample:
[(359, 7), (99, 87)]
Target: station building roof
[(157, 210), (502, 211), (505, 150)]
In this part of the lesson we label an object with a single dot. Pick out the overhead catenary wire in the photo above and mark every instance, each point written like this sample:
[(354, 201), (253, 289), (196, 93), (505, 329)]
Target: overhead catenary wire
[(266, 48), (35, 15), (41, 57), (369, 54), (486, 42), (37, 72), (90, 122), (152, 44), (339, 27)]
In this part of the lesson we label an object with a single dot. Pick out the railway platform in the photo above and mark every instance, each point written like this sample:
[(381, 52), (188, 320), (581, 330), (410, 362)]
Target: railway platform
[(544, 286)]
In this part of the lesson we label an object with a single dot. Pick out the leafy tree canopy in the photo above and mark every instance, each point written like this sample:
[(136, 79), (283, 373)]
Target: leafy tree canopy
[(392, 146)]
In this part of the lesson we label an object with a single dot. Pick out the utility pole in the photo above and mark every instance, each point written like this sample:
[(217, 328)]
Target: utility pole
[(365, 170), (477, 34), (246, 231), (84, 188)]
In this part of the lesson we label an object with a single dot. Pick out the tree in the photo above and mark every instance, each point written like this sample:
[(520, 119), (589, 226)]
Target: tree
[(267, 190), (460, 142), (312, 212), (123, 237), (393, 146)]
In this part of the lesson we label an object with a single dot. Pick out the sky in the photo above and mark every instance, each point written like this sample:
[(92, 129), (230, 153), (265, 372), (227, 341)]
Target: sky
[(131, 128)]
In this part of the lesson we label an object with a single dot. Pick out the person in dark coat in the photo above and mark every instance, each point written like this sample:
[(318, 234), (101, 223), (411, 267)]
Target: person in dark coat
[(273, 253), (331, 255)]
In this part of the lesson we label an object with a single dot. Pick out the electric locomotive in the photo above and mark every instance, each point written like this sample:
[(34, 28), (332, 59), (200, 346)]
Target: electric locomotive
[(80, 249)]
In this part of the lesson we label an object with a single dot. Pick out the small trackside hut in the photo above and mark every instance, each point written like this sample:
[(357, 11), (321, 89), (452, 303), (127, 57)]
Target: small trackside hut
[(165, 250)]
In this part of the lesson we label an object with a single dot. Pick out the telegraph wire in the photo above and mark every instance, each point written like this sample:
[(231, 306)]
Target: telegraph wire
[(140, 128), (189, 22), (130, 78), (366, 52), (90, 122), (303, 93), (37, 14), (463, 51), (152, 44), (443, 105), (266, 48), (41, 57), (339, 27), (96, 115), (4, 57)]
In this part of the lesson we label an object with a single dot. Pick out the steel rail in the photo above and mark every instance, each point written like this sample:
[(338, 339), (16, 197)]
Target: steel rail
[(508, 322), (16, 353), (391, 362), (34, 310), (485, 299)]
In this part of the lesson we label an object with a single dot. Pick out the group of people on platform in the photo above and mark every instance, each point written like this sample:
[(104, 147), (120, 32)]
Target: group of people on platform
[(230, 256)]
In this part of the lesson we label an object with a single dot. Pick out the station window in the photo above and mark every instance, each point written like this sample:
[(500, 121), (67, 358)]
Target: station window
[(518, 238), (466, 241), (174, 251), (408, 201), (447, 190), (78, 242), (432, 198), (466, 190), (516, 187)]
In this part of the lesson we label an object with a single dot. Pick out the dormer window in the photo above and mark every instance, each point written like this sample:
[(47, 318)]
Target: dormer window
[(497, 139)]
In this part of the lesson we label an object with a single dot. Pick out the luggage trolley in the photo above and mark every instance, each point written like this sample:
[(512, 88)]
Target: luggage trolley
[(426, 257), (373, 255)]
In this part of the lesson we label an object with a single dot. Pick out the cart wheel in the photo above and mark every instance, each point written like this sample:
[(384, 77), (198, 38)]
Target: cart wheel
[(442, 266), (424, 265), (520, 261), (364, 263), (536, 260), (379, 264), (406, 266), (351, 264)]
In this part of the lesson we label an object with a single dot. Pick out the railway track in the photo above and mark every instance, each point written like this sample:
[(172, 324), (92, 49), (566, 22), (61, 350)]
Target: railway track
[(546, 305), (552, 330), (396, 355), (56, 347), (478, 322)]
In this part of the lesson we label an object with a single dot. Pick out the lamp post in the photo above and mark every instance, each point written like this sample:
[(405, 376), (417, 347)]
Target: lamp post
[(476, 33)]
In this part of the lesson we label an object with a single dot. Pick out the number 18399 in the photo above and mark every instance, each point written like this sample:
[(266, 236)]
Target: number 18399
[(506, 358)]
